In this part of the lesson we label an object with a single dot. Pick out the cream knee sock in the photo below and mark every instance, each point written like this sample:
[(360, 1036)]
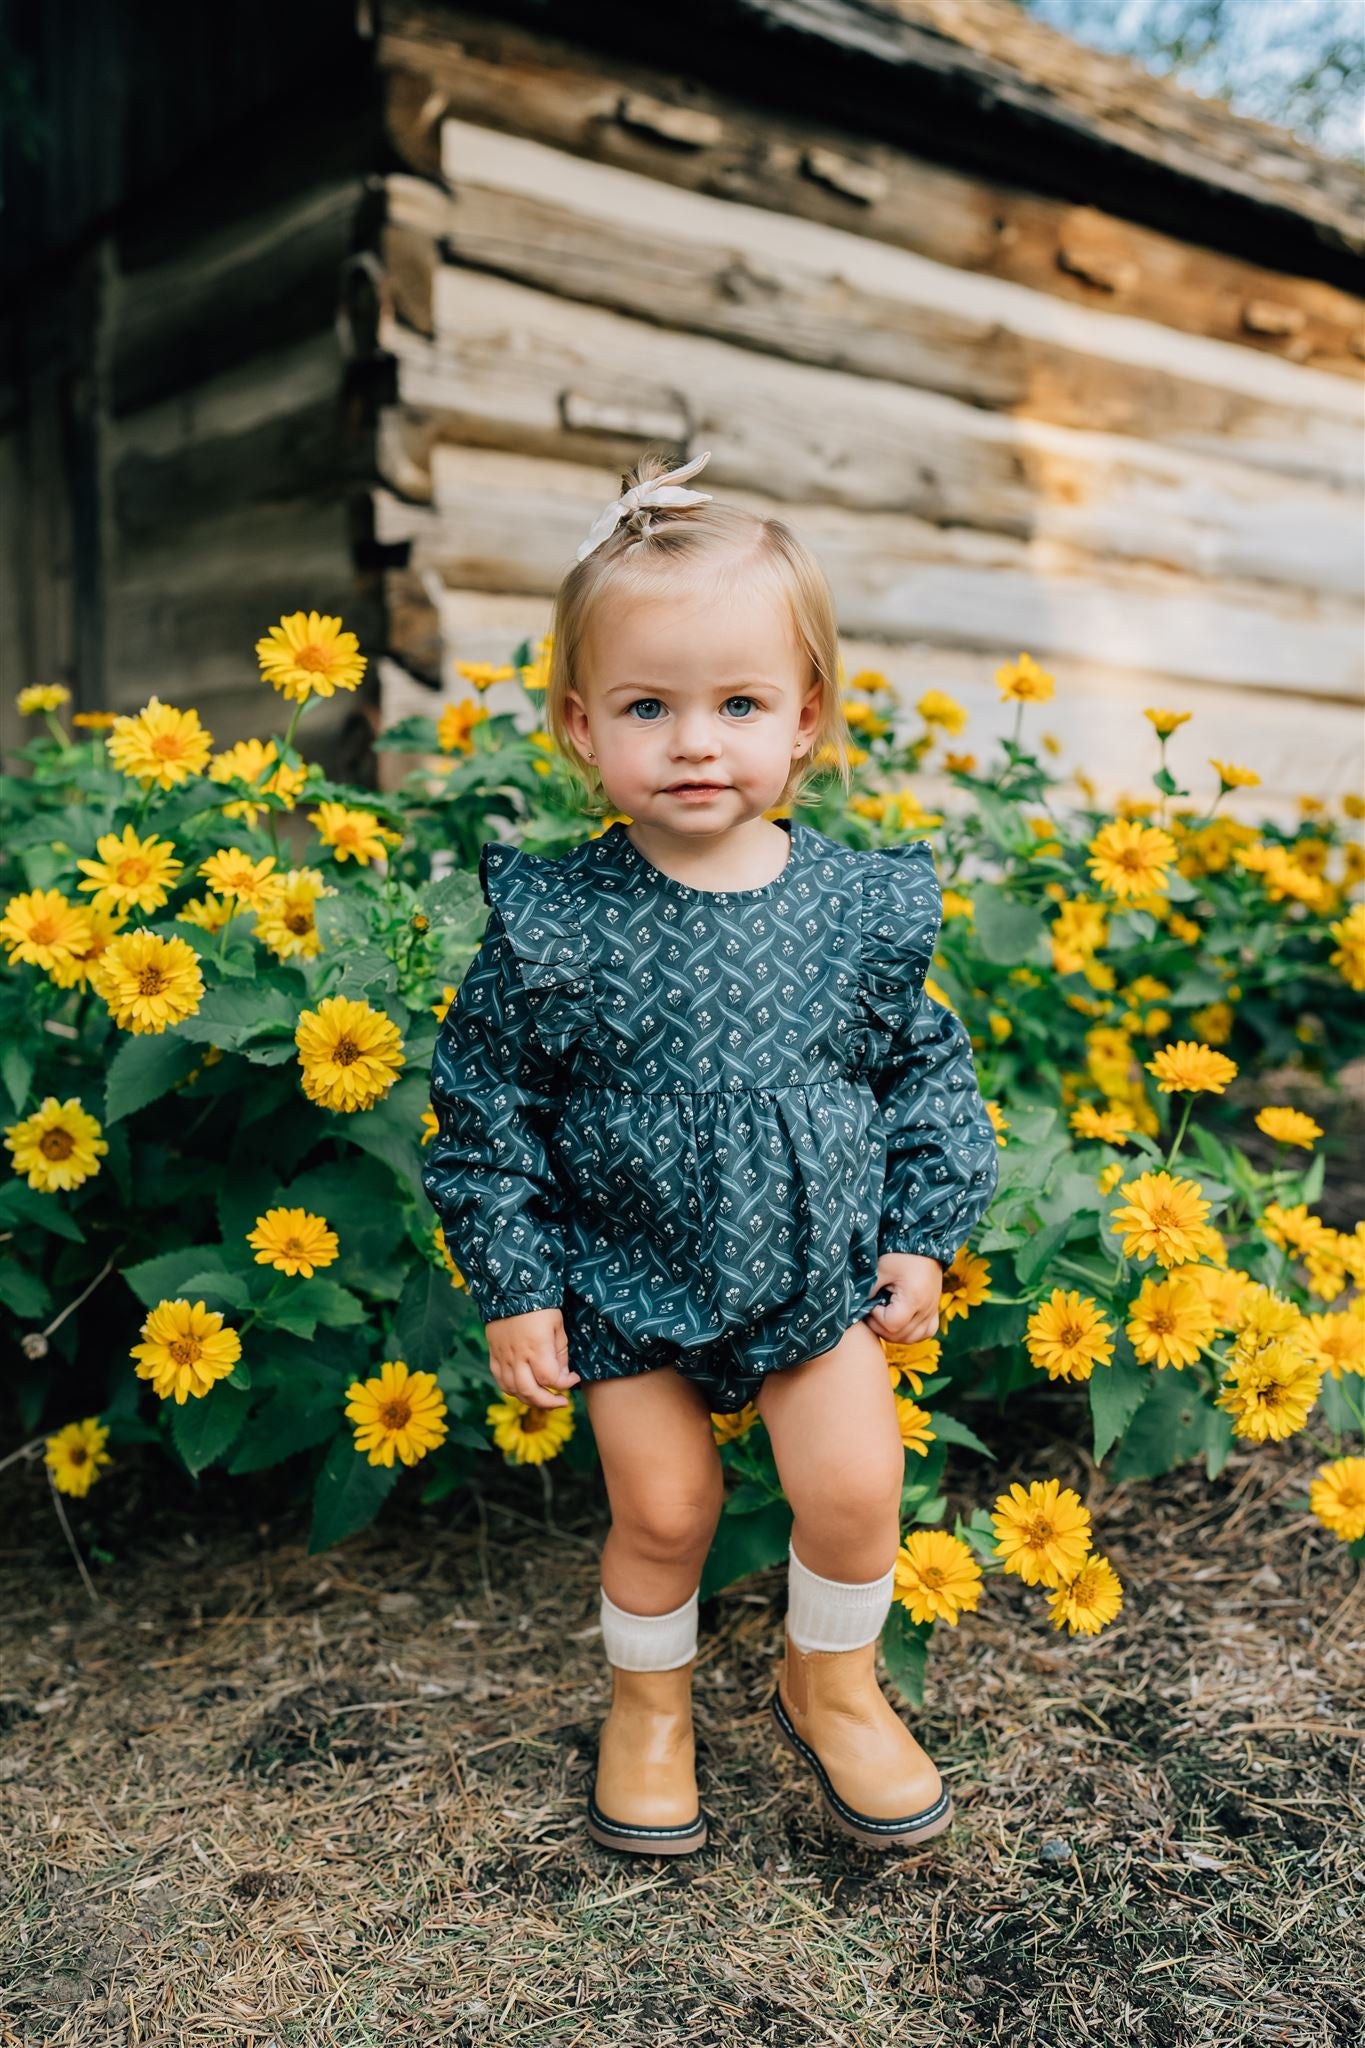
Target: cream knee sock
[(834, 1614), (649, 1642)]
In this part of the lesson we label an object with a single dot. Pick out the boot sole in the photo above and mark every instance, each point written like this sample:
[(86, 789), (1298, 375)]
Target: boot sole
[(679, 1840), (864, 1827)]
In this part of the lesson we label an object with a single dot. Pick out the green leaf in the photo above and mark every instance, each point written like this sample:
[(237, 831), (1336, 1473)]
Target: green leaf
[(425, 1320), (37, 1209), (302, 1304), (163, 1278), (1174, 1424), (348, 1493), (1006, 929), (949, 1430), (204, 1427), (392, 1130), (143, 1069), (24, 1294), (1117, 1391), (1034, 1255), (746, 1543), (215, 1285), (905, 1652), (281, 1427), (16, 1069), (237, 1017)]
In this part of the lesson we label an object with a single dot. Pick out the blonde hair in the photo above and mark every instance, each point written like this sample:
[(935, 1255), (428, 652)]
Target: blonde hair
[(638, 559)]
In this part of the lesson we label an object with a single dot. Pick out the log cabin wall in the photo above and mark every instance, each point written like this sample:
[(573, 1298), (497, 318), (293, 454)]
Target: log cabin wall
[(1004, 416)]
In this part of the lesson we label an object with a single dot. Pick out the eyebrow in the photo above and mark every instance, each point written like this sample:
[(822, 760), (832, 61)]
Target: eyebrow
[(729, 689)]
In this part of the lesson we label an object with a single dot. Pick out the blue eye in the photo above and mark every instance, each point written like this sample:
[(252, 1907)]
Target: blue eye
[(639, 701)]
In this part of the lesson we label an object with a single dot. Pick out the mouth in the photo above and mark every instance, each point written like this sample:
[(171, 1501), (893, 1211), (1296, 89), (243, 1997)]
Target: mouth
[(693, 788)]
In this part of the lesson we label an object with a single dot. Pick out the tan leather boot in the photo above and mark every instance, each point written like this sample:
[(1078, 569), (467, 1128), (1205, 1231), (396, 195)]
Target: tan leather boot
[(644, 1795), (878, 1784)]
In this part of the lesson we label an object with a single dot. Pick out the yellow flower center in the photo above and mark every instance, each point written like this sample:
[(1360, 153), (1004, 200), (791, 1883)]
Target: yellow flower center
[(313, 657), (43, 931), (1040, 1533), (298, 921), (184, 1350), (132, 871), (347, 1053), (57, 1144), (932, 1577), (150, 981), (396, 1414), (77, 1454), (1069, 1336)]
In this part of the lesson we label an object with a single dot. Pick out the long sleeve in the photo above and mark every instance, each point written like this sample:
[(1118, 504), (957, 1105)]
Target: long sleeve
[(941, 1153), (488, 1170)]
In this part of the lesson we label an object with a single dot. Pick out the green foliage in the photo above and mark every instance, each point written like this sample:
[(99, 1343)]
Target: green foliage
[(208, 1125)]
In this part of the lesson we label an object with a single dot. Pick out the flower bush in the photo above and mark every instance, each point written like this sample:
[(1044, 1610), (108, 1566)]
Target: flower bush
[(224, 977)]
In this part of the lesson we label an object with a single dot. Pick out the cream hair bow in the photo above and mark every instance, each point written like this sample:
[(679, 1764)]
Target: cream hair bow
[(659, 490)]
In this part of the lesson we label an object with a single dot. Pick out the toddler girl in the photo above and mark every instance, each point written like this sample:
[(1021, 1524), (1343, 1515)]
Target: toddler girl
[(695, 1112)]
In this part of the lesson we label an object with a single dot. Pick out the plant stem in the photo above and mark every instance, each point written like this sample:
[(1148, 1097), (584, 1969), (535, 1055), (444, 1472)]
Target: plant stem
[(1184, 1120)]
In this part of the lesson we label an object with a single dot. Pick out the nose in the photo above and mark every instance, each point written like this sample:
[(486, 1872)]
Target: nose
[(694, 738)]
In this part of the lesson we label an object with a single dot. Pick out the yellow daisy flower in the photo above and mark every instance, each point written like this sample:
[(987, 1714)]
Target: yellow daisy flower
[(308, 655), (1024, 682), (1188, 1068), (1130, 859), (351, 1055), (456, 723), (247, 763), (1230, 776), (1269, 1393), (1349, 958), (1067, 1336), (1295, 1230), (1214, 1023), (160, 745), (936, 707), (914, 1422), (1337, 1498), (457, 1278), (232, 872), (1161, 1219), (960, 764), (1335, 1341), (966, 1283), (438, 1010), (148, 983), (998, 1123), (40, 697), (1171, 1321), (1288, 1127), (75, 1455), (186, 1351), (397, 1413), (483, 674), (956, 903), (1167, 722), (42, 929), (1042, 1536), (352, 834), (912, 1362), (529, 1435), (1110, 1177), (210, 913), (131, 873), (1223, 1288), (286, 916), (1111, 1125), (293, 1241), (1090, 1600), (733, 1428), (59, 1146), (95, 721), (937, 1576)]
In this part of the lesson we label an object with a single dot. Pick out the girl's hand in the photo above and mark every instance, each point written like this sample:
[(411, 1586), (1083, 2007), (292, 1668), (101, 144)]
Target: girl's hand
[(528, 1355), (915, 1284)]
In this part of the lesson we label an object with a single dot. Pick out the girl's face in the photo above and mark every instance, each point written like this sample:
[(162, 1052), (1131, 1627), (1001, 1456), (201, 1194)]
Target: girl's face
[(694, 709)]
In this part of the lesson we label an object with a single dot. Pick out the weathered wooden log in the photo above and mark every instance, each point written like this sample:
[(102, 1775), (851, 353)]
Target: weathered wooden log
[(508, 523), (444, 61), (1298, 746), (536, 374), (794, 288)]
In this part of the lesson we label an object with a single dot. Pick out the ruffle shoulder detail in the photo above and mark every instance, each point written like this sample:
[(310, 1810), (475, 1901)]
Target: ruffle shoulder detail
[(536, 904), (900, 913)]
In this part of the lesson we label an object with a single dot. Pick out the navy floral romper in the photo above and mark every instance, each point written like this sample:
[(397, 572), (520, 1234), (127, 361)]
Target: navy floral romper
[(692, 1119)]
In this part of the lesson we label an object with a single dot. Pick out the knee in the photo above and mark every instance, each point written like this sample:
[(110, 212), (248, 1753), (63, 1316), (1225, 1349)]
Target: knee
[(855, 1497), (664, 1523)]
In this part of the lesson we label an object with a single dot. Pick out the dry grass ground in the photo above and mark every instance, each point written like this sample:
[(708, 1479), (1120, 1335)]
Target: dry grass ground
[(257, 1798)]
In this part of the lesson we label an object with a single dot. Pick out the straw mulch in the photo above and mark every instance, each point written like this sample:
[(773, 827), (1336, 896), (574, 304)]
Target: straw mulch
[(258, 1798)]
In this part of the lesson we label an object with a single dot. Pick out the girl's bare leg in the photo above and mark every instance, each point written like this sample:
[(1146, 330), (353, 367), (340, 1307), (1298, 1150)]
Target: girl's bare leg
[(837, 1443), (664, 1481)]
